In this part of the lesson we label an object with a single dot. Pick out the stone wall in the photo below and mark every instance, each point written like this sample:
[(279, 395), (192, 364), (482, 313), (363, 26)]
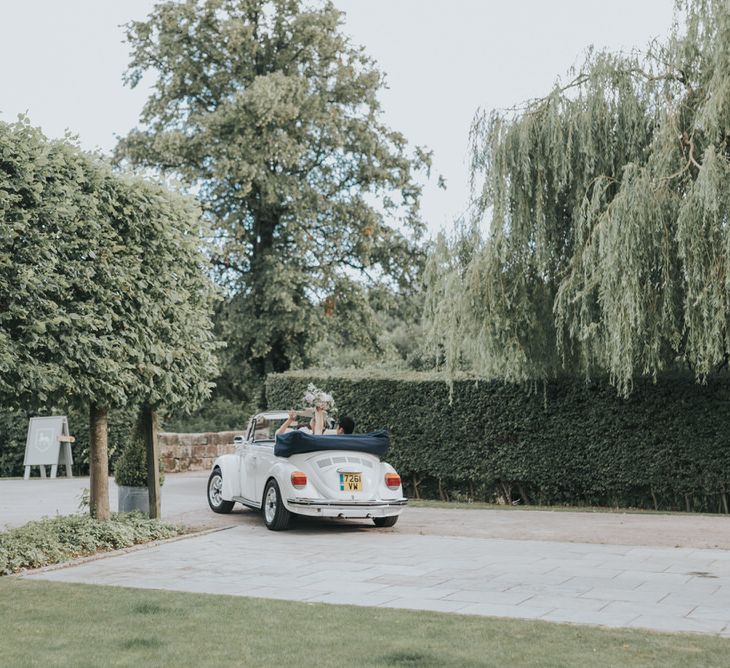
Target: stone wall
[(194, 452)]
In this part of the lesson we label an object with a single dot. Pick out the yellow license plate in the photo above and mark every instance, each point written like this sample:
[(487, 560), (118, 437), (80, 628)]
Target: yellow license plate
[(351, 482)]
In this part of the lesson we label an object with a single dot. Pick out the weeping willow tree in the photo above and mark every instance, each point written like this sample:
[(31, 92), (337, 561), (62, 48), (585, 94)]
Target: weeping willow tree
[(605, 205)]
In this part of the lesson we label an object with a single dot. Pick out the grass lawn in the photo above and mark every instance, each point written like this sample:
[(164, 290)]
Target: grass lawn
[(58, 624)]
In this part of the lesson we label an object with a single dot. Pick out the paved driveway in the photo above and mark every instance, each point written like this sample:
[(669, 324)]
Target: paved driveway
[(657, 588), (656, 571)]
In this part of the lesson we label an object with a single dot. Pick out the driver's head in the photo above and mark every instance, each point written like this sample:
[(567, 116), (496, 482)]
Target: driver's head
[(345, 425)]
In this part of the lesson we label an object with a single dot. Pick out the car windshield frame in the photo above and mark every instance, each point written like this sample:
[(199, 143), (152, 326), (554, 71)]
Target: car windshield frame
[(270, 421)]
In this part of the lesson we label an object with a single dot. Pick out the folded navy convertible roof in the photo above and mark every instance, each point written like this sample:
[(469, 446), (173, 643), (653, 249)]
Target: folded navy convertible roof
[(295, 442)]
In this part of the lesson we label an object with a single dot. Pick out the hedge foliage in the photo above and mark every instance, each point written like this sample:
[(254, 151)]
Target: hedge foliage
[(14, 429), (54, 540), (664, 447), (105, 293)]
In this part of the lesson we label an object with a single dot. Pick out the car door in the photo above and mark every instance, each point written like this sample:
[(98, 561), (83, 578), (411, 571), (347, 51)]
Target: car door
[(264, 462), (248, 465), (258, 456)]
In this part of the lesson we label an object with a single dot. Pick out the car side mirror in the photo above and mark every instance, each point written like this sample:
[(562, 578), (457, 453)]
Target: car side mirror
[(238, 440)]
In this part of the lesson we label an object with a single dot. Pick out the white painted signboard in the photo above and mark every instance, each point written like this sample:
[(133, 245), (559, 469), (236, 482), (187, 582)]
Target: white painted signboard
[(48, 444)]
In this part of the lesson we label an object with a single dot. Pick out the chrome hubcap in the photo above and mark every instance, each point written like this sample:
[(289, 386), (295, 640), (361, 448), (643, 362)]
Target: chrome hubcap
[(215, 490), (270, 505)]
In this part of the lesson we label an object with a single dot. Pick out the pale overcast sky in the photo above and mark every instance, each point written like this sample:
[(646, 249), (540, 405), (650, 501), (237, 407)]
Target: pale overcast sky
[(62, 63)]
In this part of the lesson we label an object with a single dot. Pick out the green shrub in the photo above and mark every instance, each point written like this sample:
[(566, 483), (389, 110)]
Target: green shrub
[(53, 540), (131, 466), (665, 447)]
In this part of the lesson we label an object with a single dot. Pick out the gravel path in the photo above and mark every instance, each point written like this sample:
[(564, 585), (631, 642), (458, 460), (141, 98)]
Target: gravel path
[(183, 499)]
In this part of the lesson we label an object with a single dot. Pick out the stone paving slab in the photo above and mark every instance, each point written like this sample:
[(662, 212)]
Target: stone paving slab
[(665, 589)]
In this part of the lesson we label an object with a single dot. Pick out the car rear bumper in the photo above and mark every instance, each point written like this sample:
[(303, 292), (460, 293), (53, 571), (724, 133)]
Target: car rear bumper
[(352, 509)]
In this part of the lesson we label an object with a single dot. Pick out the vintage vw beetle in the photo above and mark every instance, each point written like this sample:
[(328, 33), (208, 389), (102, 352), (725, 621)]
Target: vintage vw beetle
[(298, 473)]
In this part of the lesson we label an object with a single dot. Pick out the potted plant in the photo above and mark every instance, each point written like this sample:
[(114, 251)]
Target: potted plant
[(130, 474)]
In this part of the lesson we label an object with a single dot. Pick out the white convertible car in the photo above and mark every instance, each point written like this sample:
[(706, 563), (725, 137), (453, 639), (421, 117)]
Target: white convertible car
[(301, 474)]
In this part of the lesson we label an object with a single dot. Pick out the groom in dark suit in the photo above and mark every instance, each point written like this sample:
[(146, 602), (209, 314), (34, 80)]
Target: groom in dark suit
[(345, 425)]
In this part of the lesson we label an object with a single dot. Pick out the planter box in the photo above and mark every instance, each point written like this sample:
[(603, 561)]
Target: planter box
[(133, 498)]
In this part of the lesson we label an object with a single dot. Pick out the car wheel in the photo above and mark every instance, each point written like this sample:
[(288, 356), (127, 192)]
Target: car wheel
[(385, 521), (276, 515), (215, 493)]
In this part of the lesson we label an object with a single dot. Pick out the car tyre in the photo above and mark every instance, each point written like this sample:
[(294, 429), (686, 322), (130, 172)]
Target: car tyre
[(215, 489), (276, 515), (381, 522)]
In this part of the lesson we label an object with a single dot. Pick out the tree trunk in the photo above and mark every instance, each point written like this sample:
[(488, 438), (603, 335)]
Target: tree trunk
[(98, 463), (523, 494), (149, 433), (266, 220), (416, 482)]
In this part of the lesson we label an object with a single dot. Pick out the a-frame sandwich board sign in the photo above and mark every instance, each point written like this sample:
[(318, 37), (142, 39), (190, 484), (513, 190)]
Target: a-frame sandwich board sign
[(48, 444)]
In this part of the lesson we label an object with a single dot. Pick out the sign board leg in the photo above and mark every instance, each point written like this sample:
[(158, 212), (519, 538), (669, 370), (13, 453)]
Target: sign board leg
[(54, 470), (43, 470), (26, 475), (69, 460)]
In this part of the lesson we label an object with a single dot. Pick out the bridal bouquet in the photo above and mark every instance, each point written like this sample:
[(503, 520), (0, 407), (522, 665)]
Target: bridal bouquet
[(318, 398)]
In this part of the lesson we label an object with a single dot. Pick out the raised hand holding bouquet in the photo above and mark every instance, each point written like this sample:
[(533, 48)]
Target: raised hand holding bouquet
[(322, 402), (317, 398)]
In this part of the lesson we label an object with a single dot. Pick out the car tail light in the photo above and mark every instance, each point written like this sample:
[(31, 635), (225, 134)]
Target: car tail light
[(392, 480), (299, 479)]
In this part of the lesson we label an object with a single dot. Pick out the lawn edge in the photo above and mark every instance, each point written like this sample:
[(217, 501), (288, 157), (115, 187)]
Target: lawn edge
[(723, 635), (105, 554), (586, 510)]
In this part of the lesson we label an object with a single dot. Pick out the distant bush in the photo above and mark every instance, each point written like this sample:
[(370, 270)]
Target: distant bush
[(14, 428), (54, 540), (218, 414), (665, 447)]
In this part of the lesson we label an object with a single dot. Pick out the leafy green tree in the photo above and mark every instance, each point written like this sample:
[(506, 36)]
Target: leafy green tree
[(104, 300), (607, 205), (164, 294), (168, 297), (271, 116), (57, 289), (399, 345)]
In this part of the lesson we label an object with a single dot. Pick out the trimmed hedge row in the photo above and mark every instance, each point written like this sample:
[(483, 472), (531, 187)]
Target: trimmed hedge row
[(665, 447), (14, 429)]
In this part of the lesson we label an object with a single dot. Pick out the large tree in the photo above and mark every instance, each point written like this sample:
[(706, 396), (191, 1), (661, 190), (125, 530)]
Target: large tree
[(607, 206), (104, 297), (271, 116)]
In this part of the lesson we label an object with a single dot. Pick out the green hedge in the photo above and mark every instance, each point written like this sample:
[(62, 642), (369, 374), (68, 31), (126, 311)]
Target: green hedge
[(666, 447), (14, 429)]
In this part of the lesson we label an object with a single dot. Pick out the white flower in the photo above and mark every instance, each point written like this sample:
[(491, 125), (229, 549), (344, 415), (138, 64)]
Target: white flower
[(318, 398)]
